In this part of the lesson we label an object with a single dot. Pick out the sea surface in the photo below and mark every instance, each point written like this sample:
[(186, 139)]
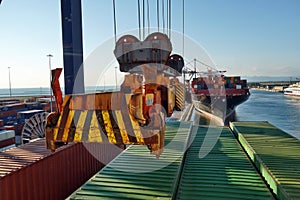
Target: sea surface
[(43, 91), (276, 108), (19, 92)]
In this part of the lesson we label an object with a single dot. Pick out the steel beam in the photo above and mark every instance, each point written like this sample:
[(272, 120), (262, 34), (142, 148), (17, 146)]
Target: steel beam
[(71, 18)]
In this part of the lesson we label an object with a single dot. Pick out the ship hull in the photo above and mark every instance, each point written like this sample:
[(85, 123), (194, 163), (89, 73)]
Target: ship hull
[(216, 95), (218, 108), (292, 95), (292, 90)]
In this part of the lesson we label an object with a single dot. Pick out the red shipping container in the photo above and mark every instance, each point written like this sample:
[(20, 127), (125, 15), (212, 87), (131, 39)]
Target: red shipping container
[(31, 171)]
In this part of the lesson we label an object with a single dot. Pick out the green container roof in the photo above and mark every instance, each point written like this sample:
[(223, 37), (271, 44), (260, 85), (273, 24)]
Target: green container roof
[(275, 153), (225, 173), (135, 174)]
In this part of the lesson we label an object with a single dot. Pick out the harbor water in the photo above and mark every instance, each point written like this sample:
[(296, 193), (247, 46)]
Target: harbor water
[(276, 108), (42, 91)]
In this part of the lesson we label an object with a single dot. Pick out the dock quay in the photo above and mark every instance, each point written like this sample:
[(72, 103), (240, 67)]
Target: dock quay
[(245, 160), (270, 84)]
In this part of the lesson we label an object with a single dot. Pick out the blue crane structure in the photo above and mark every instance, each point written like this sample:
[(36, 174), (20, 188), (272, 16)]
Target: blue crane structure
[(71, 18)]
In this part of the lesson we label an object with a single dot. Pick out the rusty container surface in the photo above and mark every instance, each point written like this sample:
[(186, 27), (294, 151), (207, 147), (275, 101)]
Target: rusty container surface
[(7, 137), (7, 142), (33, 172)]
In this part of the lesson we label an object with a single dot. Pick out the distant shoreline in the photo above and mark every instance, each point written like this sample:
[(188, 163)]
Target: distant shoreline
[(268, 90), (22, 98)]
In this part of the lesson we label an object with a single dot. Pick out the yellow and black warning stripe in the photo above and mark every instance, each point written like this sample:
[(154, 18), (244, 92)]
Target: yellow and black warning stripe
[(103, 126), (111, 126), (81, 120), (179, 96)]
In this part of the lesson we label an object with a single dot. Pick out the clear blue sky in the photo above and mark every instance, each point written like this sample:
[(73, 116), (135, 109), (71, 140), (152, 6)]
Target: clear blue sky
[(245, 37)]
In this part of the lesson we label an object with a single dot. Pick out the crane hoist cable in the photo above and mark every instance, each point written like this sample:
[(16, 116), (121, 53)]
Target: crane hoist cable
[(148, 16), (170, 19), (115, 21), (143, 9), (139, 18), (167, 17), (157, 14), (163, 15), (182, 28)]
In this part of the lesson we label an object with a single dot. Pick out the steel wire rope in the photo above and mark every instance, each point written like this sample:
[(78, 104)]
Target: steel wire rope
[(143, 13), (148, 16), (115, 21), (163, 14), (189, 63), (183, 37), (198, 61), (139, 18), (170, 19), (205, 64), (157, 14), (182, 28)]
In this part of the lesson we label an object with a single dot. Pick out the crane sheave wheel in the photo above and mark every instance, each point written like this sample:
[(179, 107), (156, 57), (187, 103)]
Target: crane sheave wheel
[(34, 127)]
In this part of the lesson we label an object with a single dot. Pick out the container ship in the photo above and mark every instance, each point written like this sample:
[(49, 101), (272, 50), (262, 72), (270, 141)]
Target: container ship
[(216, 95)]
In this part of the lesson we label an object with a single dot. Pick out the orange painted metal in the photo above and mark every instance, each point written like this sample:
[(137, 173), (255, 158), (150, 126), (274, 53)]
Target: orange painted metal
[(56, 88), (33, 172)]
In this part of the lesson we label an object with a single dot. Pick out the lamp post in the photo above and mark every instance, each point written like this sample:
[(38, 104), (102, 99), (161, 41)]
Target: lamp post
[(116, 77), (50, 56), (9, 81)]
